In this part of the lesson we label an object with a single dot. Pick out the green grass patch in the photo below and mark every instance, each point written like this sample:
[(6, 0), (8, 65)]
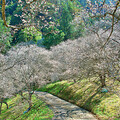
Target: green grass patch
[(39, 110), (87, 95)]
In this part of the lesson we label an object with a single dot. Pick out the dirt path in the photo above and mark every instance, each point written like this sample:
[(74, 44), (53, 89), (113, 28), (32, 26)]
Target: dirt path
[(64, 110)]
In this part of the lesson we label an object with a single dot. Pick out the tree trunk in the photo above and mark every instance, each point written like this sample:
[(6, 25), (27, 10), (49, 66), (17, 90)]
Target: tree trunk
[(30, 100), (21, 94), (102, 80), (6, 104), (30, 103), (0, 107), (74, 80)]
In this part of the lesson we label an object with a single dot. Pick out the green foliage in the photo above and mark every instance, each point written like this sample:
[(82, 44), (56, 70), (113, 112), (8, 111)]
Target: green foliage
[(15, 20), (52, 37), (66, 18), (26, 35), (10, 8), (17, 106), (67, 23), (5, 38)]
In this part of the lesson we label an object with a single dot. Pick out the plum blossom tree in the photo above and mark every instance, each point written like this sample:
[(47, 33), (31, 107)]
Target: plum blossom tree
[(35, 13), (24, 68), (84, 58), (33, 69), (107, 12)]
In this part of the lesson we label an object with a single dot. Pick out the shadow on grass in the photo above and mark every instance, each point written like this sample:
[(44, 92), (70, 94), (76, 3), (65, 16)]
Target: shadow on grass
[(90, 102), (34, 109)]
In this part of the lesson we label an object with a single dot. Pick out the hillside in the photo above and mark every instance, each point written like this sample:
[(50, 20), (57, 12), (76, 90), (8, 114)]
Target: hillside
[(88, 95)]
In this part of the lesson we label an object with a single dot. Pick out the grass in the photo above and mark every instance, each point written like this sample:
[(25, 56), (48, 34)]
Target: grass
[(39, 110), (88, 95)]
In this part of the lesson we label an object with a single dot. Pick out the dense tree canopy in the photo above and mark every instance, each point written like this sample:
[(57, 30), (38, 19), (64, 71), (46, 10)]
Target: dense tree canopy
[(83, 57), (24, 69)]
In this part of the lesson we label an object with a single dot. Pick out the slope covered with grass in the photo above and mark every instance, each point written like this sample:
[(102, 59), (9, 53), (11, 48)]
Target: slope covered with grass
[(88, 95), (16, 111)]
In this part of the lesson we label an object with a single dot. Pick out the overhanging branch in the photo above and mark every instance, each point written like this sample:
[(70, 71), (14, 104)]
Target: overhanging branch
[(4, 16)]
